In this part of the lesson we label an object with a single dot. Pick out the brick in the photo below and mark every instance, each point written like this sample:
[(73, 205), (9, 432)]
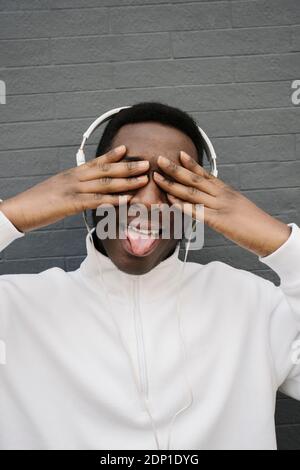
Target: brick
[(255, 148), (75, 221), (267, 274), (249, 122), (42, 134), (110, 48), (269, 175), (288, 437), (24, 52), (266, 67), (15, 5), (31, 266), (213, 238), (288, 217), (78, 22), (298, 146), (74, 263), (287, 412), (29, 162), (39, 24), (229, 174), (233, 255), (231, 42), (201, 98), (296, 38), (153, 73), (57, 243), (265, 13), (275, 201), (171, 17), (96, 3), (12, 186), (27, 108), (57, 78), (281, 396)]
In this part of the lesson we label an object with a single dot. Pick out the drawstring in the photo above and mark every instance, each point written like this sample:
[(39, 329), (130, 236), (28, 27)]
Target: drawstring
[(178, 312)]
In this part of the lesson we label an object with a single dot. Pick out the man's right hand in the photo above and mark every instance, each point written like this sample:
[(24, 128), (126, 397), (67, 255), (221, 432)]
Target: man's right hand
[(99, 181)]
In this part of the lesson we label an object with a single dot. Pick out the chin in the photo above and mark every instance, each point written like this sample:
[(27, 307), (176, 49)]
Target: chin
[(138, 265)]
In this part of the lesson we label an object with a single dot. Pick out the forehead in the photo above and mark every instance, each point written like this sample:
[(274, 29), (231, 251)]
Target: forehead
[(151, 139)]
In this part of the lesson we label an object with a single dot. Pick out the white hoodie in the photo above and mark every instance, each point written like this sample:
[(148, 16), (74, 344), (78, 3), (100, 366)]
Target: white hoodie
[(72, 382)]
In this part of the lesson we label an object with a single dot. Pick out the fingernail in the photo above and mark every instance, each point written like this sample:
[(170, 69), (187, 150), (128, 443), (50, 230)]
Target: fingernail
[(143, 178), (143, 164), (158, 176), (184, 155), (163, 159), (121, 148)]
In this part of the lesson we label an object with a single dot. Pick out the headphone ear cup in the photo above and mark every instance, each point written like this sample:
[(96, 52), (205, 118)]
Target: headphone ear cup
[(209, 152)]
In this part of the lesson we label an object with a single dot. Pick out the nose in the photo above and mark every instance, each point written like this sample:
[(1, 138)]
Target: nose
[(149, 194)]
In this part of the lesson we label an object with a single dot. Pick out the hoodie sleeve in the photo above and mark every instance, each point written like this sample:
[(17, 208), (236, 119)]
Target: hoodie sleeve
[(284, 326), (8, 232)]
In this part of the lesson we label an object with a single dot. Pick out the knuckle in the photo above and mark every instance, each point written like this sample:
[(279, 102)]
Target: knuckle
[(131, 166), (192, 162), (88, 164), (99, 163), (105, 180), (97, 196), (197, 178), (133, 180), (104, 167), (173, 168), (193, 191)]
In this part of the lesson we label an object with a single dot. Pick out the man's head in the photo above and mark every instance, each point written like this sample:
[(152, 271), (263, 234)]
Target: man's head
[(147, 130)]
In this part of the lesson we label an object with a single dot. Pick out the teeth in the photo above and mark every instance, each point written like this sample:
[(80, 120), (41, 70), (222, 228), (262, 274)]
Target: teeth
[(149, 233)]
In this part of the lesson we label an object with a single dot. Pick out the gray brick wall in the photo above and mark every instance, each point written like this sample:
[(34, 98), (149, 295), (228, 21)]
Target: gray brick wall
[(229, 63)]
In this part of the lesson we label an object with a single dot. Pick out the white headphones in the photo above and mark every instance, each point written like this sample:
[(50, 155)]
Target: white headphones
[(80, 156)]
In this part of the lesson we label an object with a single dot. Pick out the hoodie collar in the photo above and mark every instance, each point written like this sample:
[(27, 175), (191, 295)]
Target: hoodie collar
[(152, 285)]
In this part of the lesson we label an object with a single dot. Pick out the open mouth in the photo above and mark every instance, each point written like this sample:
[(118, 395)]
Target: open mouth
[(140, 239)]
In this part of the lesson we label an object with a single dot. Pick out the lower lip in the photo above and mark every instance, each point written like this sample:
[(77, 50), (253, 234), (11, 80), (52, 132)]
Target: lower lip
[(127, 246)]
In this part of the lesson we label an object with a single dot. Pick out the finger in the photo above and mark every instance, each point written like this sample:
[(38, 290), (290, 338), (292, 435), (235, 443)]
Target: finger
[(113, 155), (114, 170), (190, 164), (185, 176), (190, 209), (94, 200), (112, 185), (186, 193)]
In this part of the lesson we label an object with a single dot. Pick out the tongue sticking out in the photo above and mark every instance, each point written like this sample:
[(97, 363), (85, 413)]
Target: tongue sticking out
[(140, 243)]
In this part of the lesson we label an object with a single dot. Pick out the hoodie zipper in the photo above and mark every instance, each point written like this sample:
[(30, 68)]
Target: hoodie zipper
[(139, 339)]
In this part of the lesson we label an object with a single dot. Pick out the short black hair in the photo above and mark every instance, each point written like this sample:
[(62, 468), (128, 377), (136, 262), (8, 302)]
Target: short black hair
[(151, 111)]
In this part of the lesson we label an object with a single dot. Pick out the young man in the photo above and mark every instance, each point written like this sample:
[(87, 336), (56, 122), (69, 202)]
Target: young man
[(94, 356)]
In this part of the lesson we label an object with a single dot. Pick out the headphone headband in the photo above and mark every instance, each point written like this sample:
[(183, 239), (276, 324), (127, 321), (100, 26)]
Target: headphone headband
[(80, 156)]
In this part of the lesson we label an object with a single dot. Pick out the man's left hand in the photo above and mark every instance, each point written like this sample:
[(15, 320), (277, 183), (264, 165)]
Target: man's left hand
[(226, 210)]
